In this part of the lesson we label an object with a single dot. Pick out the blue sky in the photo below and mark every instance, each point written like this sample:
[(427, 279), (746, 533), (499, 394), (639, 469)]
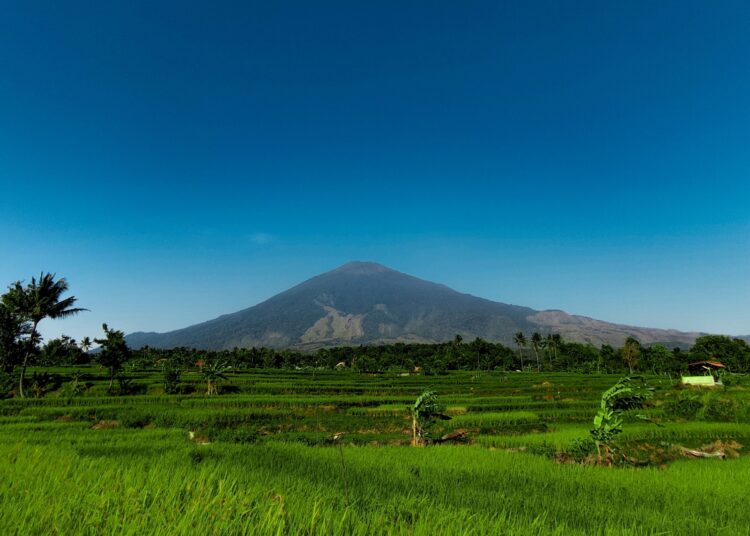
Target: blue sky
[(177, 161)]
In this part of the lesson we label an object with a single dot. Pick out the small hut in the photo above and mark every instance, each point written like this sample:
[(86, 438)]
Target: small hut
[(704, 373)]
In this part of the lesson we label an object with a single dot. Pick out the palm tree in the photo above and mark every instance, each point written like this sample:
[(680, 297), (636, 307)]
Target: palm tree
[(85, 345), (213, 372), (536, 343), (36, 301), (556, 343), (549, 347), (520, 340)]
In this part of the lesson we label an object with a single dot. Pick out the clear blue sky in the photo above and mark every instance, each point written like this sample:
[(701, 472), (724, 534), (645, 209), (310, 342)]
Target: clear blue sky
[(178, 161)]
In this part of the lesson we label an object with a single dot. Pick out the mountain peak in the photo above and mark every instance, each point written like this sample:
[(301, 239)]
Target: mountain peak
[(368, 303), (361, 267)]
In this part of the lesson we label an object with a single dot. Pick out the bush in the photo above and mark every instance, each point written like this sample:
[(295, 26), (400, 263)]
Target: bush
[(721, 409), (685, 406), (7, 384), (544, 448), (580, 449)]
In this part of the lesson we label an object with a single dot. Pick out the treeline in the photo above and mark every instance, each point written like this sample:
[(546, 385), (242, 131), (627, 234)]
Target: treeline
[(474, 355), (23, 307), (438, 358)]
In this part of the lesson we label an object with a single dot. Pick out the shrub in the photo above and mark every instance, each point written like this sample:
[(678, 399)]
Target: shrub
[(545, 448), (7, 383), (685, 406), (721, 409), (580, 449)]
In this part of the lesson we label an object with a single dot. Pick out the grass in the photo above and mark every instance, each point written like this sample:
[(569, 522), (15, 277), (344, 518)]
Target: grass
[(125, 464)]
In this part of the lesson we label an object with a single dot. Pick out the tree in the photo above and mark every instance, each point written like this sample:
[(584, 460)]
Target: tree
[(85, 345), (12, 330), (114, 352), (631, 350), (520, 340), (60, 351), (556, 343), (36, 301), (171, 377), (425, 411), (659, 359), (536, 343), (213, 372), (734, 353)]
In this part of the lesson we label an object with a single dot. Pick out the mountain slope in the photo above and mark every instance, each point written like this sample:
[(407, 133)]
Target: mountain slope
[(367, 303)]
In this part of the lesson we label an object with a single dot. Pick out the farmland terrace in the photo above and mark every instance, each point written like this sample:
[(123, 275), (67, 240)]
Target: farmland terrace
[(324, 452)]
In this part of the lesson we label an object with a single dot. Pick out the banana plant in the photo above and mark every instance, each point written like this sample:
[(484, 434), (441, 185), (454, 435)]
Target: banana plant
[(425, 411), (622, 396), (212, 372)]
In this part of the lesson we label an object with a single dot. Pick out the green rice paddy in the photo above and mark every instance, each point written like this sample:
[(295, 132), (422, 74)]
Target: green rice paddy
[(261, 459)]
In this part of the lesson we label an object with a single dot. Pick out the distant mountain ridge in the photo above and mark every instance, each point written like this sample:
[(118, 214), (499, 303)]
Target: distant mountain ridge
[(368, 303)]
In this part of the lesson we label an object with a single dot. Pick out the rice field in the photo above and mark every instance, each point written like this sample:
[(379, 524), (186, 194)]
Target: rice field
[(261, 458)]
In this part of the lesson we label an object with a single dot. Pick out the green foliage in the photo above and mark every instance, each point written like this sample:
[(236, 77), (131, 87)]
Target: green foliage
[(437, 359), (75, 387), (734, 353), (7, 382), (34, 302), (212, 372), (41, 382), (113, 353), (684, 406), (720, 409), (581, 448), (622, 396), (630, 352), (13, 329), (61, 351), (171, 374), (425, 412)]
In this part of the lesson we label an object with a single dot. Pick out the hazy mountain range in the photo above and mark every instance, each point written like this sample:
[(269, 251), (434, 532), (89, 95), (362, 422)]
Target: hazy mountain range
[(367, 303)]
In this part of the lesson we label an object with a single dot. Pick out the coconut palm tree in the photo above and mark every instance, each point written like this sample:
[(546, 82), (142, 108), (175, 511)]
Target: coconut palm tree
[(549, 347), (556, 343), (36, 301), (85, 345), (536, 343), (520, 340)]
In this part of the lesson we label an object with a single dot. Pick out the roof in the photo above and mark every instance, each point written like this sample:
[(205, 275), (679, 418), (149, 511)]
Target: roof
[(714, 364)]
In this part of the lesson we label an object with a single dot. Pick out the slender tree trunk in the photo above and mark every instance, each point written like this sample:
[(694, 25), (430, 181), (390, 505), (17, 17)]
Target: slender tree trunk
[(414, 431), (29, 346)]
